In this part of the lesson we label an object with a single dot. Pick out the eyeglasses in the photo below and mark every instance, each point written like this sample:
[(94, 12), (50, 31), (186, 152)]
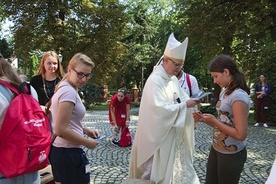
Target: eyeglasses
[(176, 64), (80, 75)]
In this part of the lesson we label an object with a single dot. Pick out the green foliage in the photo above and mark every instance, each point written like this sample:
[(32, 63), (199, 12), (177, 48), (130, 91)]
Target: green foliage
[(209, 109), (34, 65), (241, 29), (135, 104), (126, 39), (91, 94), (100, 107), (70, 26), (141, 40), (265, 65), (5, 48)]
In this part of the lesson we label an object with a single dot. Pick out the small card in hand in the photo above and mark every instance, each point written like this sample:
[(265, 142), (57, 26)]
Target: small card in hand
[(201, 94), (101, 137)]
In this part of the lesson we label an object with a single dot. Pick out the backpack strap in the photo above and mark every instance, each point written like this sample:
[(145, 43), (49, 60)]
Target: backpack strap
[(10, 86), (48, 105), (5, 92), (14, 89), (189, 83)]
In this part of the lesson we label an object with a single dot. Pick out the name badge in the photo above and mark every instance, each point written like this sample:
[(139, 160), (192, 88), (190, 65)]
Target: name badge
[(87, 168), (123, 116)]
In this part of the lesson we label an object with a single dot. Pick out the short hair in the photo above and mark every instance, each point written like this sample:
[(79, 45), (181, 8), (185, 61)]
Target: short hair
[(123, 90)]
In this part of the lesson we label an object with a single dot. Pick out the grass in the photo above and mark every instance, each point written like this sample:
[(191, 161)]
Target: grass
[(104, 106), (99, 107), (251, 119)]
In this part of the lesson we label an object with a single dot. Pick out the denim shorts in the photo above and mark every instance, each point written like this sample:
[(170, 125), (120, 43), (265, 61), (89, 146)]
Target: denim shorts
[(69, 165)]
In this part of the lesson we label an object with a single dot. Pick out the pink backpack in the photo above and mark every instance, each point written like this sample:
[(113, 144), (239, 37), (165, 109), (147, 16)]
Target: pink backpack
[(125, 139), (25, 135)]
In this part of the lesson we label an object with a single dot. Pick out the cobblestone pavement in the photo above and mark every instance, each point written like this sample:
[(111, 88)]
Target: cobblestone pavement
[(109, 163)]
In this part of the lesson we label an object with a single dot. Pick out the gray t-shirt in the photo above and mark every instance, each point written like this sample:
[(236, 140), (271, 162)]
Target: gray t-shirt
[(222, 142)]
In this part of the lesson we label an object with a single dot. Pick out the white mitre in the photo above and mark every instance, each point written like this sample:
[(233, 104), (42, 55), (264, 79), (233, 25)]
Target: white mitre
[(176, 50)]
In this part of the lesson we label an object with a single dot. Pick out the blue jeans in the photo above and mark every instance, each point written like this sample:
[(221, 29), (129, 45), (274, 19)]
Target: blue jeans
[(225, 168), (30, 178)]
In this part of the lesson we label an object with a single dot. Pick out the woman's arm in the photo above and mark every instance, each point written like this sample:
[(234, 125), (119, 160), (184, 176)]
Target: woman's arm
[(128, 112), (112, 109), (62, 126), (238, 132)]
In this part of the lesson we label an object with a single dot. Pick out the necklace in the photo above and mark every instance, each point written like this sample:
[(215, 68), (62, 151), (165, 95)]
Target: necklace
[(49, 88)]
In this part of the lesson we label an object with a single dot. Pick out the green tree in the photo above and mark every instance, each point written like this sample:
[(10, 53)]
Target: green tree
[(35, 65), (69, 26), (5, 48), (242, 29), (143, 38), (125, 39)]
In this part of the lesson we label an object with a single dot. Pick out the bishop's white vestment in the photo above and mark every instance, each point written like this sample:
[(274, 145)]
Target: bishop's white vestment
[(162, 132)]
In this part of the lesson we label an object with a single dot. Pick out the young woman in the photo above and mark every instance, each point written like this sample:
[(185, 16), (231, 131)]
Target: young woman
[(228, 153), (262, 90), (119, 110), (7, 73), (68, 160), (49, 74)]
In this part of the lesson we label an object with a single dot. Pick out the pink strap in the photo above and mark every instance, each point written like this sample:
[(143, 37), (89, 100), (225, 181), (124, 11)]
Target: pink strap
[(8, 85), (189, 83)]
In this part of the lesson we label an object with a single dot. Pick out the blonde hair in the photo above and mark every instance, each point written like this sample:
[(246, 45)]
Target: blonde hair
[(42, 71), (75, 60), (79, 57)]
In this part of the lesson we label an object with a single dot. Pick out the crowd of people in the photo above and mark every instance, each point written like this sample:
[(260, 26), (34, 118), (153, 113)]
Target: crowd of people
[(68, 160), (164, 143)]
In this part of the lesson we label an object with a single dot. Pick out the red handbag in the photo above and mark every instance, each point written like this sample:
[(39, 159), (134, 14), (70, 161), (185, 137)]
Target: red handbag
[(125, 139)]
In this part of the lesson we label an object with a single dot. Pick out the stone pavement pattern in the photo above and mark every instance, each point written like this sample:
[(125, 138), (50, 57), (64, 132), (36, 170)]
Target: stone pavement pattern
[(109, 163)]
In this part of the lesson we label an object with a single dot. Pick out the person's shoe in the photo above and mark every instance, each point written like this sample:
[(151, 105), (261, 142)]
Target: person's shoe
[(257, 124), (115, 141), (265, 125)]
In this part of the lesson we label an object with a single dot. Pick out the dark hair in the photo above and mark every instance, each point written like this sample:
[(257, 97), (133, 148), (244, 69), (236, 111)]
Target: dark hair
[(123, 90), (222, 62), (264, 78)]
